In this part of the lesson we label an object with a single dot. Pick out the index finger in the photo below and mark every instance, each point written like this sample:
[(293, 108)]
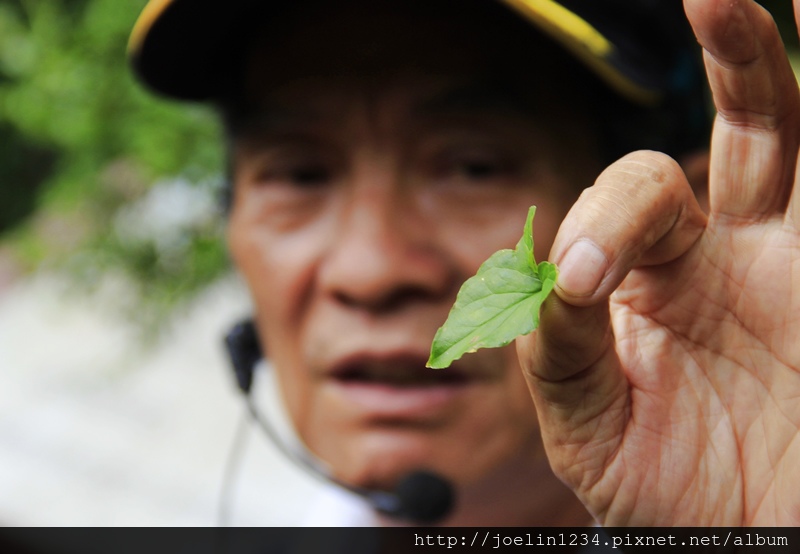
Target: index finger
[(757, 131)]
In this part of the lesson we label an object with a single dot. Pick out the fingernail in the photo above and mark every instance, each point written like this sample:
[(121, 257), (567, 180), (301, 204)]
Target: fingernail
[(582, 268)]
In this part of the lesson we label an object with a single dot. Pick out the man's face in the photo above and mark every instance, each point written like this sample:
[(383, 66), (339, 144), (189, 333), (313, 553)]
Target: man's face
[(376, 170)]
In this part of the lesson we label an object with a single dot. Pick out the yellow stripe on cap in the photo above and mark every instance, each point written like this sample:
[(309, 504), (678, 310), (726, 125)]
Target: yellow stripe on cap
[(584, 41), (150, 13)]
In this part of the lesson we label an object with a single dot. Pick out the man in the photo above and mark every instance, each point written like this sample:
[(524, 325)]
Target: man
[(380, 151)]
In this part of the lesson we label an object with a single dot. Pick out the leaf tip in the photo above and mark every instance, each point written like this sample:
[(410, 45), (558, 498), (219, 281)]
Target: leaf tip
[(436, 364)]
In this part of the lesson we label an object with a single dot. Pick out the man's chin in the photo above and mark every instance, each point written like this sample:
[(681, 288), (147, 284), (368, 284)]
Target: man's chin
[(382, 460)]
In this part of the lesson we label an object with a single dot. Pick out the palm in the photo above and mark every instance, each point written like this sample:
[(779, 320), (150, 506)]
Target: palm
[(676, 402), (713, 398)]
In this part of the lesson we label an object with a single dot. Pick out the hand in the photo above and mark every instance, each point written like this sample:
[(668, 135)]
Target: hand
[(666, 370)]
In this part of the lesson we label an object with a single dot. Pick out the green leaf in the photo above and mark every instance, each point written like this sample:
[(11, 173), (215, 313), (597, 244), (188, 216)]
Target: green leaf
[(498, 304)]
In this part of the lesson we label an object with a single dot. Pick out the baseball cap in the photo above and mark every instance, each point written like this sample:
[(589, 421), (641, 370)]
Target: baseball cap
[(644, 50)]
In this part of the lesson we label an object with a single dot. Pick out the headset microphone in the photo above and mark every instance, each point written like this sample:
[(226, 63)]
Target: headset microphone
[(421, 496)]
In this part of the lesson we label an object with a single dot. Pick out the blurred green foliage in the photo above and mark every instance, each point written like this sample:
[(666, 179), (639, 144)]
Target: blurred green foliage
[(81, 141)]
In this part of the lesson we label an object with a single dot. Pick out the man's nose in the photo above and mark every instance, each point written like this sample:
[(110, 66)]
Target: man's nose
[(383, 252)]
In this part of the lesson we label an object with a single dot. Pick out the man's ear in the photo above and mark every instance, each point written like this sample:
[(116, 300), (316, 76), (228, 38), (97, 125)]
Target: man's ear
[(696, 167)]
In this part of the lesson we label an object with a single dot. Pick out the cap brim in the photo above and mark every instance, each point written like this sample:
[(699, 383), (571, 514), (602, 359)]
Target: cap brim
[(592, 46), (182, 49)]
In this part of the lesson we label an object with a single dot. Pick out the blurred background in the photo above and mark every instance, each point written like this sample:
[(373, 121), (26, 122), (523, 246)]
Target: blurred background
[(116, 403)]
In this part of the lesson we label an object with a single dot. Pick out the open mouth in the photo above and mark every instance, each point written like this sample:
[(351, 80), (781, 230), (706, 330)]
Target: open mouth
[(398, 373), (398, 389)]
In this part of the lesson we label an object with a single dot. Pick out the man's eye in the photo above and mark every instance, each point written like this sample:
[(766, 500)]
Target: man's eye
[(309, 175), (299, 174), (480, 169)]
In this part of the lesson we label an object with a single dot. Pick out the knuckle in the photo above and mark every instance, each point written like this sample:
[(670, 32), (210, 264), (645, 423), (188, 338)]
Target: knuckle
[(634, 202), (646, 167)]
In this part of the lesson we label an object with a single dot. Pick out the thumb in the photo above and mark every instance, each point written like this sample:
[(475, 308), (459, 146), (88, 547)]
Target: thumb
[(579, 389)]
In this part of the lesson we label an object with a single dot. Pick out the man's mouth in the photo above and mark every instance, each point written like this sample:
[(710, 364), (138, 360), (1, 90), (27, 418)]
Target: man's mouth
[(411, 373), (397, 387)]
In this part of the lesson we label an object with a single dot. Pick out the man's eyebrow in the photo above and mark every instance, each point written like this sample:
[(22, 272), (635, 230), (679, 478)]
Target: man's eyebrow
[(479, 97), (266, 119)]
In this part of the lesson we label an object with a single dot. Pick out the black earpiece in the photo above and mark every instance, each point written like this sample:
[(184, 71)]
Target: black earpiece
[(244, 351)]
